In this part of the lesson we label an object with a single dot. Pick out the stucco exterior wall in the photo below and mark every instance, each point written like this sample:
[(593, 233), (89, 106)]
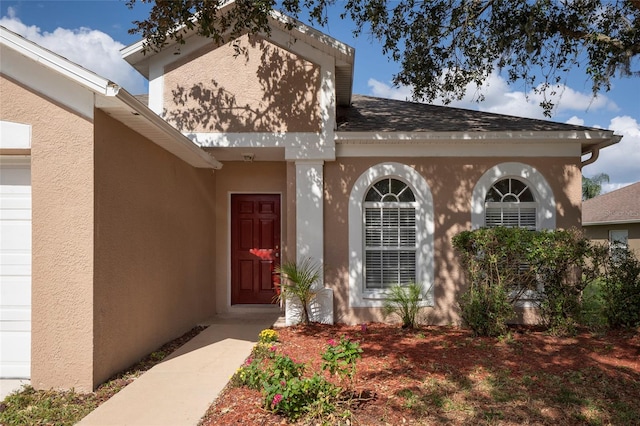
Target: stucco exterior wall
[(62, 247), (451, 181), (249, 178), (154, 246), (263, 89), (600, 234)]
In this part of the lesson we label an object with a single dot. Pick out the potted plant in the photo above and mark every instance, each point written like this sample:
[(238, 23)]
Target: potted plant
[(298, 283)]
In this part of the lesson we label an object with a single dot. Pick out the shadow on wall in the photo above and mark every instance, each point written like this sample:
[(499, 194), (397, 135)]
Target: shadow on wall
[(451, 182), (277, 93)]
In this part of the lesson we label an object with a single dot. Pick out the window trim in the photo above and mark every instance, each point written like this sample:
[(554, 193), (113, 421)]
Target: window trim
[(358, 296), (616, 243), (546, 214)]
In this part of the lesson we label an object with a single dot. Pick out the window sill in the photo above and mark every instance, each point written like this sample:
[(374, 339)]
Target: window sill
[(375, 295)]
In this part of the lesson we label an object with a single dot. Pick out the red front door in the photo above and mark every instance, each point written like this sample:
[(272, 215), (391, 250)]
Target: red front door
[(255, 247)]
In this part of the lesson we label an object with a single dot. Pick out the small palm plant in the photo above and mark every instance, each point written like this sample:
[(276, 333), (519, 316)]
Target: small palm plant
[(404, 301), (298, 283)]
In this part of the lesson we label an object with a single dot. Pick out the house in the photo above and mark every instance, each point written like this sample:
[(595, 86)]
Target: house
[(614, 217), (145, 220), (106, 219)]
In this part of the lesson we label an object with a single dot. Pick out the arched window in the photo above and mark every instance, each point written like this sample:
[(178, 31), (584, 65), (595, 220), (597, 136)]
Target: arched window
[(391, 227), (511, 203), (513, 194), (390, 234)]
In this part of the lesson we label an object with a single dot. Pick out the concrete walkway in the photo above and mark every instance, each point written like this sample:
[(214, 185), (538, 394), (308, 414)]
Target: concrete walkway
[(8, 386), (179, 390)]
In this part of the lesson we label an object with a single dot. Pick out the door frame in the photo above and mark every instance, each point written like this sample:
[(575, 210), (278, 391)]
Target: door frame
[(282, 214)]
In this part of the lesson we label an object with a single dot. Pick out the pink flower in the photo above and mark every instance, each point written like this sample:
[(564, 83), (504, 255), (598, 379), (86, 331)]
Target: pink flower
[(276, 400), (248, 361), (273, 348), (332, 342)]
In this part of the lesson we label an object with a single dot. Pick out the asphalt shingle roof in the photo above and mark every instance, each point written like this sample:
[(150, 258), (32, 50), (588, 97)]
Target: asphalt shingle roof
[(621, 205), (370, 114)]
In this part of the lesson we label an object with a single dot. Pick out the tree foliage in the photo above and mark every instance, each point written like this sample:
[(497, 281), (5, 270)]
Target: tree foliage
[(443, 46), (591, 187)]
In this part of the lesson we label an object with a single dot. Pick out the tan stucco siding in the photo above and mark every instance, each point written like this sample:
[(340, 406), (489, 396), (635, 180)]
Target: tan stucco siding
[(263, 89), (600, 234), (451, 181), (247, 178), (62, 245), (154, 246)]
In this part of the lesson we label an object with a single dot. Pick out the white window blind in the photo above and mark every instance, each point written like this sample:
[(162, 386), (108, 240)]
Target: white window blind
[(510, 203), (390, 235)]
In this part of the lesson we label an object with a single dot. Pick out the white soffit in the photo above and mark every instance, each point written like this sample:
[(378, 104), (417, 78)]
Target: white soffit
[(520, 143), (135, 115), (107, 96)]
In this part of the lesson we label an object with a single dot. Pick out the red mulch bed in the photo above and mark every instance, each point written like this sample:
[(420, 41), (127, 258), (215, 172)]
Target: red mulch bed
[(444, 375)]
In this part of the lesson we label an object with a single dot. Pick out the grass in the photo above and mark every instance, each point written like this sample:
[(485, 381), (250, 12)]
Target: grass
[(32, 407), (28, 406)]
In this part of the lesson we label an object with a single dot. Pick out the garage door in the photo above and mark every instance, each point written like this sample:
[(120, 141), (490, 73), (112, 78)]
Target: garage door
[(15, 267)]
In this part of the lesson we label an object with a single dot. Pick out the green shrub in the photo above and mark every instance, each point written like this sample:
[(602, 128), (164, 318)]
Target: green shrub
[(506, 265), (486, 310), (592, 314), (561, 261), (495, 264), (404, 301), (621, 289)]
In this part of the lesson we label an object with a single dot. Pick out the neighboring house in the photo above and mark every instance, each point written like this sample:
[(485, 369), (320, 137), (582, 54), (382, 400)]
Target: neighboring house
[(138, 233), (614, 217)]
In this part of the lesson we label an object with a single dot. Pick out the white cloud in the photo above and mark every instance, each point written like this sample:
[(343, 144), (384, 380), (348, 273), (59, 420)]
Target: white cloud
[(383, 90), (621, 160), (92, 49), (500, 99), (575, 121)]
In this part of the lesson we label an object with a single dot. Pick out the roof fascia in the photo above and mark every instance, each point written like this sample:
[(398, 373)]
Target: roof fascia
[(54, 61), (323, 38), (612, 222), (586, 137), (135, 53)]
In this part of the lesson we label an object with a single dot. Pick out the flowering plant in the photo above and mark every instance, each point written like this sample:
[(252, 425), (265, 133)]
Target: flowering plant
[(268, 335), (340, 357)]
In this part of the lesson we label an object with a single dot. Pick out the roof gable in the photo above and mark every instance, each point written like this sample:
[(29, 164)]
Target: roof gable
[(286, 32), (619, 206), (83, 90)]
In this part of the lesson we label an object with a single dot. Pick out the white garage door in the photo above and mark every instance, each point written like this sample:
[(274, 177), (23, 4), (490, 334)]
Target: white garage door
[(15, 267)]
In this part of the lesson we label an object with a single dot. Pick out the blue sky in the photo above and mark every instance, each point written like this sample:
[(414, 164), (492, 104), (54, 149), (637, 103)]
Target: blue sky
[(91, 33)]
